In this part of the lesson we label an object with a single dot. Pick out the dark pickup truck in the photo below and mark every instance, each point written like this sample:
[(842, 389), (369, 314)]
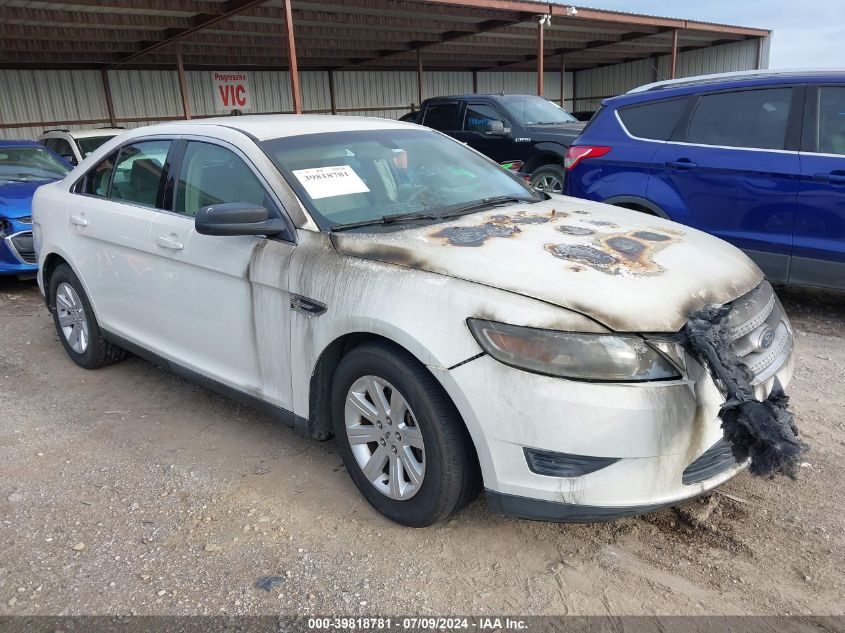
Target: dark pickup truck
[(527, 130)]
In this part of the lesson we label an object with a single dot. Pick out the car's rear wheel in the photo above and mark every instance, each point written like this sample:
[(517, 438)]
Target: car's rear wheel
[(549, 178), (75, 322), (400, 437)]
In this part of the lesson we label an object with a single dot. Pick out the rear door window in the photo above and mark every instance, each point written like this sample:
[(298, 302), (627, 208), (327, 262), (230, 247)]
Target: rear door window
[(750, 118), (655, 121), (831, 130), (443, 116), (96, 181), (63, 149), (138, 173)]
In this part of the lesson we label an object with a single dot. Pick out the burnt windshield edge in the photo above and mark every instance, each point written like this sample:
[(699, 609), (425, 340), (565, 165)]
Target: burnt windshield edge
[(267, 146)]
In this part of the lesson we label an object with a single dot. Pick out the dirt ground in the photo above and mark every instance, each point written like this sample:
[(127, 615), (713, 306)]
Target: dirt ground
[(131, 491)]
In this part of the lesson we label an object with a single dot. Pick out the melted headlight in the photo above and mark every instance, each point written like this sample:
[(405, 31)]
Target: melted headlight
[(579, 356)]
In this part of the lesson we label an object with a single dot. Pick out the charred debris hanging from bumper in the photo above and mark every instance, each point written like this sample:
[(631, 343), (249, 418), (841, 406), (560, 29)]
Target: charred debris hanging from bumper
[(764, 431)]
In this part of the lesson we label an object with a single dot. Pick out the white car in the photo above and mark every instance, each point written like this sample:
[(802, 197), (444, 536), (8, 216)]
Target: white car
[(385, 284), (75, 145)]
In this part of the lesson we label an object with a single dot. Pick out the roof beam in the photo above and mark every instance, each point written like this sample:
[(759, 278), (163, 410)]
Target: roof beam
[(201, 21), (448, 36), (589, 46), (50, 17), (162, 7)]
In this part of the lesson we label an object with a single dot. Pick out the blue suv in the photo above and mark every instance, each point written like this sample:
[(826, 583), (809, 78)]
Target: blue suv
[(757, 159)]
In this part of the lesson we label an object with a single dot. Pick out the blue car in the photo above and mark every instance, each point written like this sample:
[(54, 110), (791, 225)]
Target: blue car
[(24, 166), (757, 159)]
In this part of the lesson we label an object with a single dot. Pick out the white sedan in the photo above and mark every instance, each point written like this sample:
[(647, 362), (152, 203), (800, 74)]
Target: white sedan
[(382, 283)]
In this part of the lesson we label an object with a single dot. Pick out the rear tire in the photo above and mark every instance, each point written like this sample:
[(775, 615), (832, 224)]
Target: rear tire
[(412, 457), (549, 178), (76, 324)]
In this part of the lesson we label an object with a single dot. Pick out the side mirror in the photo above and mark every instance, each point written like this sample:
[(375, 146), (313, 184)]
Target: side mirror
[(237, 218), (496, 128)]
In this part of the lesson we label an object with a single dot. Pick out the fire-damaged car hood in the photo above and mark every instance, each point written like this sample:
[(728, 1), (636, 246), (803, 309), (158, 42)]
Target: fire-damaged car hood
[(627, 270)]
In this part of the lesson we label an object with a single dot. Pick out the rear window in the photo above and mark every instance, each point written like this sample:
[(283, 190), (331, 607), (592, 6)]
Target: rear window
[(442, 116), (748, 118), (655, 121)]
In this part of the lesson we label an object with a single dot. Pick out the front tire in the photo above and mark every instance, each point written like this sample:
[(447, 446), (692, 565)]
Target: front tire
[(75, 322), (401, 438), (549, 178)]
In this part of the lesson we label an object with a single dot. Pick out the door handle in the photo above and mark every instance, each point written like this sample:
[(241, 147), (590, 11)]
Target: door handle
[(681, 164), (78, 221), (166, 242), (835, 178)]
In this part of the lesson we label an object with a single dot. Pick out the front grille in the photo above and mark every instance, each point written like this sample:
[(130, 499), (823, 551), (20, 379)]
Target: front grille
[(716, 459), (762, 334), (23, 246)]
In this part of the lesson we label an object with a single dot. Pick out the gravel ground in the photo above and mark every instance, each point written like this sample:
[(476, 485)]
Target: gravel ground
[(131, 491)]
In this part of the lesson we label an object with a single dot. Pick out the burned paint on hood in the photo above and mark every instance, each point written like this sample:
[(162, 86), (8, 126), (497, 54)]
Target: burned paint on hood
[(627, 270)]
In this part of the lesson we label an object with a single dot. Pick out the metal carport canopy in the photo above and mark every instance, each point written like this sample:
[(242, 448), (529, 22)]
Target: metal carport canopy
[(339, 34), (336, 34)]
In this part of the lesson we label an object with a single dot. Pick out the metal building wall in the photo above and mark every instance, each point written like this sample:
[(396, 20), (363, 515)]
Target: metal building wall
[(526, 83), (599, 83), (56, 98), (43, 96), (52, 98)]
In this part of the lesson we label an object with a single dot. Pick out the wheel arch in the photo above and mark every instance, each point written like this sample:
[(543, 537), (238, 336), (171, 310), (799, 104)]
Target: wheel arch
[(320, 384), (547, 154), (51, 262), (636, 203)]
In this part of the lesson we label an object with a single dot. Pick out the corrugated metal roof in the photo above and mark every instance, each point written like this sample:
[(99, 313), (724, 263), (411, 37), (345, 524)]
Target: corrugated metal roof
[(334, 34)]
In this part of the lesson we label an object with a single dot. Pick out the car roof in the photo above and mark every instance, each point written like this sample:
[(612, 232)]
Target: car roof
[(87, 133), (21, 143), (741, 79), (267, 126), (103, 131), (698, 80), (493, 95)]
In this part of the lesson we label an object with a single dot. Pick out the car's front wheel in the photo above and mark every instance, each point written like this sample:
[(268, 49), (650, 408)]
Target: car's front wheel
[(549, 178), (75, 323), (400, 437)]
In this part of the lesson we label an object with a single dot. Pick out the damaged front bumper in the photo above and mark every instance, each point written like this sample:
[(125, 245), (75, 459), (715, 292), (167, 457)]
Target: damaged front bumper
[(662, 441)]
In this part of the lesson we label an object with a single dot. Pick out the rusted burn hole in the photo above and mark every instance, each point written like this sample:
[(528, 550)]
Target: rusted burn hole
[(523, 217), (582, 254), (475, 235), (630, 248), (575, 230), (651, 237), (610, 225)]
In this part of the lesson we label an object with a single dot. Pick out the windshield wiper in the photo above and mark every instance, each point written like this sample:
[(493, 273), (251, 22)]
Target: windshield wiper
[(461, 210), (386, 219), (486, 202)]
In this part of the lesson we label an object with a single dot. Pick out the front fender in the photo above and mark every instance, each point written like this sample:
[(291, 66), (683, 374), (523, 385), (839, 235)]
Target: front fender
[(553, 147)]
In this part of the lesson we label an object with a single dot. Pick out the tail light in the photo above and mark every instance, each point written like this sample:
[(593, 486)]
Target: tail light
[(576, 153)]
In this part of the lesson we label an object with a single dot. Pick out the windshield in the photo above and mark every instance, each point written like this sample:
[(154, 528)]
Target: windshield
[(25, 164), (350, 177), (530, 110), (90, 143)]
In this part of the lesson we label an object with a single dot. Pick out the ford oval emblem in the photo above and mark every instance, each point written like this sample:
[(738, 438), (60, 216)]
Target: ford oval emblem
[(766, 338)]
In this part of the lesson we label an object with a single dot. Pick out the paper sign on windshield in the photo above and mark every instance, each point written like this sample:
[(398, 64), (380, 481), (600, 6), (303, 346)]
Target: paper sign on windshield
[(325, 182)]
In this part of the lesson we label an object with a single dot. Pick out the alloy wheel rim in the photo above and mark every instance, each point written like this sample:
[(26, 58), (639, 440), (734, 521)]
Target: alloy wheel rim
[(549, 183), (385, 438), (72, 319)]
